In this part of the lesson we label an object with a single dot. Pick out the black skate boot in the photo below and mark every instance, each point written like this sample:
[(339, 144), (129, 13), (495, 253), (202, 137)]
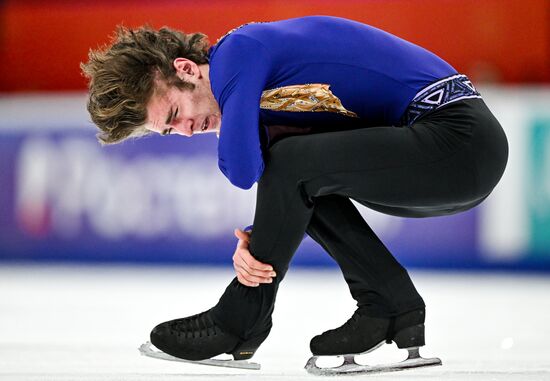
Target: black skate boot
[(362, 334), (198, 337)]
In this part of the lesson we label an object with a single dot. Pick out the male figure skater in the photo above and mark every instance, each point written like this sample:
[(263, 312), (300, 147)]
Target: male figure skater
[(317, 110)]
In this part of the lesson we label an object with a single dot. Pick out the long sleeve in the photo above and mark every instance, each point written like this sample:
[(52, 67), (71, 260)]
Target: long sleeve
[(239, 71)]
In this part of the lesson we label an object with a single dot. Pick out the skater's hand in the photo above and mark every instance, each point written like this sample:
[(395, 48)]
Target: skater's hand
[(250, 271)]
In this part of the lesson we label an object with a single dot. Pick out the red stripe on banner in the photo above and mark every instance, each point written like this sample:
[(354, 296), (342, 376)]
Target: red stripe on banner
[(42, 43)]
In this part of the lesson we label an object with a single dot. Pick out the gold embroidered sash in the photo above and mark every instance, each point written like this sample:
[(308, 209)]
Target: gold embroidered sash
[(313, 97)]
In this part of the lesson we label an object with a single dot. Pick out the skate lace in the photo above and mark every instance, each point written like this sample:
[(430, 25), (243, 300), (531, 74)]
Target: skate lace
[(199, 325), (348, 325)]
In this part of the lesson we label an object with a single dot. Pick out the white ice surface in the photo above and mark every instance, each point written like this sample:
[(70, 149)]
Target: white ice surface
[(86, 323)]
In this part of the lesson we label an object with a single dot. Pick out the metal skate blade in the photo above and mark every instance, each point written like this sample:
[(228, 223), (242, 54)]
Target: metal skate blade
[(351, 367), (149, 350)]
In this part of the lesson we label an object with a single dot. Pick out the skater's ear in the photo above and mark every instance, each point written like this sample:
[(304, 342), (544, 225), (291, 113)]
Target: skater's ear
[(186, 70)]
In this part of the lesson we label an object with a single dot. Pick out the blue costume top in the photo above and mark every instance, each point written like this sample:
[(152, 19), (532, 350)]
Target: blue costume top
[(313, 72)]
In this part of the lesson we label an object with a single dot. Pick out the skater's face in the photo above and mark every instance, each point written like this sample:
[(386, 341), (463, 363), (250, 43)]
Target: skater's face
[(184, 112)]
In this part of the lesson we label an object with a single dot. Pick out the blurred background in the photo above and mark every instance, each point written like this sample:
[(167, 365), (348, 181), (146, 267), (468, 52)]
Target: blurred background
[(66, 199), (100, 244)]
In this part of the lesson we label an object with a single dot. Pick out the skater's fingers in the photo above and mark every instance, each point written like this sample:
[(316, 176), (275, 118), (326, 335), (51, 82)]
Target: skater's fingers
[(249, 280), (248, 267), (255, 276), (245, 282), (249, 277), (253, 264), (242, 235), (250, 274), (242, 244)]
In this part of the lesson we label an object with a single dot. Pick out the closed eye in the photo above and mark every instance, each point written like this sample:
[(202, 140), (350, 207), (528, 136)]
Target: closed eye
[(166, 132)]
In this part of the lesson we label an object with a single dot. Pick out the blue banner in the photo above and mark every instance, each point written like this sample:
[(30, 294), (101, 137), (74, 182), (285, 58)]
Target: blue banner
[(162, 199)]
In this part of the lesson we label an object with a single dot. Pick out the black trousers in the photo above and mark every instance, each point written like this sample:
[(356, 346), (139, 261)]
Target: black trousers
[(447, 162)]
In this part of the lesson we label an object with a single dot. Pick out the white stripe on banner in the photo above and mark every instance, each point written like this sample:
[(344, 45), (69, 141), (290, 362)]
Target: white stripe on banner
[(505, 222), (45, 111)]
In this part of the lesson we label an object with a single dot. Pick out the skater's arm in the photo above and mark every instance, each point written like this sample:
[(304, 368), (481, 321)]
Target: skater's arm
[(250, 272), (239, 71)]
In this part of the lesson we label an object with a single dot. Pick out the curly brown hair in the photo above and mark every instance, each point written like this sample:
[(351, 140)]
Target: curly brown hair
[(122, 76)]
